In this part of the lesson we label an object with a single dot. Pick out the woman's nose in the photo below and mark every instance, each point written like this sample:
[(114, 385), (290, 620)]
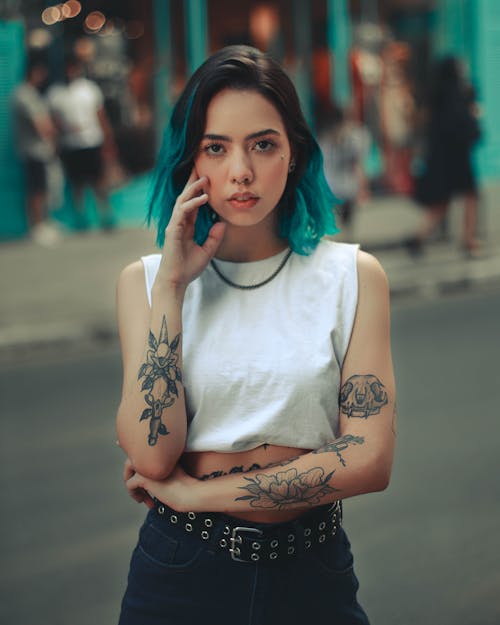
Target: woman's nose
[(241, 171)]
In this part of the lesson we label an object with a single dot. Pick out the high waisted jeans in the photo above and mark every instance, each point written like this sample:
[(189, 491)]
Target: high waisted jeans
[(176, 579)]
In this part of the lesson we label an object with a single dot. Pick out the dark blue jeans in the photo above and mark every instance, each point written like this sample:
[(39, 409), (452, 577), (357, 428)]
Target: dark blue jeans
[(177, 579)]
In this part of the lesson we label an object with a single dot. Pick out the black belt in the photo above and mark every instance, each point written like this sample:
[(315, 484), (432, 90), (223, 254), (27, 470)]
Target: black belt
[(259, 542)]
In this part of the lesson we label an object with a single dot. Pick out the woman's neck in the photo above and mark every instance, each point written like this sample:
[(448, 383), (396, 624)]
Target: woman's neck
[(249, 243)]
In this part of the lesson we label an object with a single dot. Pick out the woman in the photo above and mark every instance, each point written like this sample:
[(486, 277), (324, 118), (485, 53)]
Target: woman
[(447, 171), (258, 388)]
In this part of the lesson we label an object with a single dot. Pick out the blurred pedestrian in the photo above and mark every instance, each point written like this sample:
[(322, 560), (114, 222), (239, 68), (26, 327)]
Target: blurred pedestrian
[(447, 171), (85, 139), (35, 135), (258, 389), (345, 144), (397, 116)]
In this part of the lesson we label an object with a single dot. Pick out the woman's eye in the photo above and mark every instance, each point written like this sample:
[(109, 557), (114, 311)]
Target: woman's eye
[(264, 145), (214, 149)]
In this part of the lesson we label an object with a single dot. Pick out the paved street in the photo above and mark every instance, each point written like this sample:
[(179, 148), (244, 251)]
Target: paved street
[(427, 550)]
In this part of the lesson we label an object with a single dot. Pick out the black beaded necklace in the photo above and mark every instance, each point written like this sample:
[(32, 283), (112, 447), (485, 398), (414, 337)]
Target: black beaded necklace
[(251, 286)]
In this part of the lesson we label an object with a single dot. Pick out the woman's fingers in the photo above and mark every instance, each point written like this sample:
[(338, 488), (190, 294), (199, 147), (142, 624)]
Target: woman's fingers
[(136, 486), (214, 238), (192, 188)]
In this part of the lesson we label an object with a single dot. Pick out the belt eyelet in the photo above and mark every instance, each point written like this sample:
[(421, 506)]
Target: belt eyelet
[(307, 531), (227, 530), (256, 546), (274, 544), (321, 526), (307, 544), (255, 557), (291, 538), (291, 550), (173, 518), (161, 509), (188, 527), (273, 555), (223, 542), (205, 535), (322, 538), (191, 516), (208, 522)]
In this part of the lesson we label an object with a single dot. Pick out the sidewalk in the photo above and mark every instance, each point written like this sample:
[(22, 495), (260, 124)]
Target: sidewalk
[(63, 297)]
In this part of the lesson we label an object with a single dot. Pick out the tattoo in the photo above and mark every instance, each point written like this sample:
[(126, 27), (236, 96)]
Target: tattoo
[(160, 375), (339, 445), (238, 469), (362, 396), (284, 489)]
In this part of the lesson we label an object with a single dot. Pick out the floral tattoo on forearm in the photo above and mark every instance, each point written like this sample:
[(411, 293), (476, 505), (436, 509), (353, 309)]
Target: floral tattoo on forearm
[(286, 489), (362, 396), (160, 375)]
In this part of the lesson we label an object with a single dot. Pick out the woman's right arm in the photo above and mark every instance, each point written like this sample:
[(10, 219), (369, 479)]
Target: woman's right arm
[(151, 419)]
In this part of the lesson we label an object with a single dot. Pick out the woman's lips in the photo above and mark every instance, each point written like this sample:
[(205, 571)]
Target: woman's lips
[(243, 200)]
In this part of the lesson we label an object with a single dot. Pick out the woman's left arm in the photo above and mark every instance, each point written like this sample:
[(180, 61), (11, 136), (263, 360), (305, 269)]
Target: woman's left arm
[(358, 461)]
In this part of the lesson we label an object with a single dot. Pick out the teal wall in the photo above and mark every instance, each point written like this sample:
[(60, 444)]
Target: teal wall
[(470, 29), (486, 67), (12, 58)]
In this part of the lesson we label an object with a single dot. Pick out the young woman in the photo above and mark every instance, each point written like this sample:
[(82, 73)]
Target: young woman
[(258, 386)]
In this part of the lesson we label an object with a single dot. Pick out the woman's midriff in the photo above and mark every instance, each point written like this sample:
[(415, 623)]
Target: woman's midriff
[(209, 465)]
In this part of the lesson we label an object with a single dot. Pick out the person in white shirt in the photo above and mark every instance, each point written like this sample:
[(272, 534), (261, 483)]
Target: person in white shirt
[(85, 138), (258, 389)]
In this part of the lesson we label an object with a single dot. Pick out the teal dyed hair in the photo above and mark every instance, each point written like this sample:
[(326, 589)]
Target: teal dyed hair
[(306, 209)]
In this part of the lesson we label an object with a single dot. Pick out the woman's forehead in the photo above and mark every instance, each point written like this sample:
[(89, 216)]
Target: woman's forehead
[(241, 111)]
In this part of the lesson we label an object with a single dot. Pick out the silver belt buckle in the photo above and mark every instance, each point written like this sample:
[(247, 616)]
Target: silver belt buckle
[(236, 539)]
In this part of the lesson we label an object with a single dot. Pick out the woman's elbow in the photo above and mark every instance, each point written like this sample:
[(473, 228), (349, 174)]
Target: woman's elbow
[(381, 470), (154, 471)]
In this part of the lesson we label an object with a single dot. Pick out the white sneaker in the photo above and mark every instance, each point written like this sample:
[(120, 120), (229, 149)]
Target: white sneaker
[(45, 234)]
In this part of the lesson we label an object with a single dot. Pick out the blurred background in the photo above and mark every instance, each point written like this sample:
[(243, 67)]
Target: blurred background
[(88, 87)]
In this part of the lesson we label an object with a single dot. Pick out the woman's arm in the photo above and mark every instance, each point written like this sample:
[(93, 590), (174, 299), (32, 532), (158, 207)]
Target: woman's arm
[(151, 419), (357, 462)]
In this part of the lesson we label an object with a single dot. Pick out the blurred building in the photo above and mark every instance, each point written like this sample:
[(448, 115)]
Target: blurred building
[(358, 53)]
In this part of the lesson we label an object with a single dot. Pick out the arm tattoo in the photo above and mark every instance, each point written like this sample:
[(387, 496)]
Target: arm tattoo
[(238, 469), (160, 375), (362, 396), (284, 489), (339, 445)]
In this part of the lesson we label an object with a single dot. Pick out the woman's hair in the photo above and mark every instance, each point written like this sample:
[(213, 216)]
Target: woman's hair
[(307, 204)]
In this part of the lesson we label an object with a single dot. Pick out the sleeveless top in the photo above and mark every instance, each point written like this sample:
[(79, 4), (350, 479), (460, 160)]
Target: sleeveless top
[(264, 365)]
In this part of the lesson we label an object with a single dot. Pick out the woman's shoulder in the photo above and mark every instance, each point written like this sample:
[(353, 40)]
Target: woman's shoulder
[(335, 253), (372, 279), (369, 267), (138, 277), (348, 258)]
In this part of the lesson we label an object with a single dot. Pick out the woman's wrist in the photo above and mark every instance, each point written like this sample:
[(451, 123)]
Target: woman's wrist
[(172, 291)]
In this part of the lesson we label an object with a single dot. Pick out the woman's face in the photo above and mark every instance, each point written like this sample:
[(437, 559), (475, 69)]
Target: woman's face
[(245, 154)]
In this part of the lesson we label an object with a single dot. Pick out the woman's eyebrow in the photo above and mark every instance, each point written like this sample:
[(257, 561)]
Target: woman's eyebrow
[(253, 135)]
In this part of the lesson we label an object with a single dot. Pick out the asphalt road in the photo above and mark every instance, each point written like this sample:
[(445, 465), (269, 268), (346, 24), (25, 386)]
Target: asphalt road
[(427, 550)]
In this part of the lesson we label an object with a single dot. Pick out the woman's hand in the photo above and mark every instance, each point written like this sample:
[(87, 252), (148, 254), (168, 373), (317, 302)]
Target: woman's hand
[(138, 493), (178, 491), (182, 259)]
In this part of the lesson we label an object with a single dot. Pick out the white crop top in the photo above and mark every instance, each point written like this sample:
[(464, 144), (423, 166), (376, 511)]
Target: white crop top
[(263, 365)]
